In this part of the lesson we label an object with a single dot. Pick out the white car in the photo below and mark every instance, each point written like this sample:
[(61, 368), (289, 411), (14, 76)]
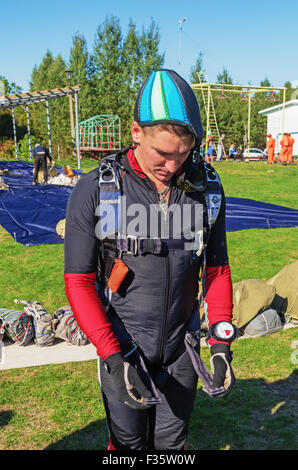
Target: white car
[(254, 154)]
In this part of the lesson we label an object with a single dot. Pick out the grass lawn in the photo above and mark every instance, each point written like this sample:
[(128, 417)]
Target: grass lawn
[(59, 406)]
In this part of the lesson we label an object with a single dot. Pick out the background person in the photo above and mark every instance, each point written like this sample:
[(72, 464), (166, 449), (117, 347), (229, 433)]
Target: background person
[(209, 156), (291, 142), (270, 149), (284, 144), (40, 154), (220, 148)]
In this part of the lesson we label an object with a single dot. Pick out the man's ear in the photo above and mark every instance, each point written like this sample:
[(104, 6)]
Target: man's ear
[(136, 131)]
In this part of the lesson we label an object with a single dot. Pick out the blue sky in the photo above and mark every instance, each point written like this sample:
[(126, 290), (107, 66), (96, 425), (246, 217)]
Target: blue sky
[(253, 40)]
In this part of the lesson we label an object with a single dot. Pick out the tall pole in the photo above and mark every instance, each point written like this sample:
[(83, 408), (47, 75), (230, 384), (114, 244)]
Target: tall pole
[(283, 112), (208, 115), (49, 128), (77, 130), (29, 133), (69, 74), (72, 124), (248, 123), (180, 22), (14, 133)]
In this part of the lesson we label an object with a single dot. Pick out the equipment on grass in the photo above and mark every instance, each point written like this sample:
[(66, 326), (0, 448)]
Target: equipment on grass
[(264, 323), (3, 185), (17, 325), (42, 322), (60, 228), (66, 327), (286, 284)]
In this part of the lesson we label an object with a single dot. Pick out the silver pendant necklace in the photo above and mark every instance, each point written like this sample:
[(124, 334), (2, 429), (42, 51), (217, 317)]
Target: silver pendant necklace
[(162, 201)]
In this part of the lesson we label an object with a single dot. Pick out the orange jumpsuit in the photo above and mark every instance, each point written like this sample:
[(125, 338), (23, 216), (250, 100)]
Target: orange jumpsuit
[(290, 149), (284, 148), (271, 148)]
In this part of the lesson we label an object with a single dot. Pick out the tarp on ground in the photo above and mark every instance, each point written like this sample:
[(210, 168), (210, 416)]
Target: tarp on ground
[(30, 213)]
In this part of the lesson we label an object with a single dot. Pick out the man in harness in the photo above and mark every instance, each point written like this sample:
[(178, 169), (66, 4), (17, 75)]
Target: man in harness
[(40, 154), (140, 230)]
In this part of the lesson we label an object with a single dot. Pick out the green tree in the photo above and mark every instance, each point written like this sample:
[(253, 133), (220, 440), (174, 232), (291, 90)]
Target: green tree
[(224, 77), (197, 68), (140, 57), (79, 63), (107, 64), (50, 75), (6, 130)]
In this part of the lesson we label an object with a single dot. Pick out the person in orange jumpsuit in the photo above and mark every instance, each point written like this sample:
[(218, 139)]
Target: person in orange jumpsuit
[(284, 149), (291, 141), (271, 148)]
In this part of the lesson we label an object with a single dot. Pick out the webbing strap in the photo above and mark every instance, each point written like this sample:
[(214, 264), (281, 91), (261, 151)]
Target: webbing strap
[(203, 373), (135, 245)]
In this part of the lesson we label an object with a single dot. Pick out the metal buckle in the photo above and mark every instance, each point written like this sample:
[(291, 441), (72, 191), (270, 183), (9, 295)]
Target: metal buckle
[(132, 238), (107, 168)]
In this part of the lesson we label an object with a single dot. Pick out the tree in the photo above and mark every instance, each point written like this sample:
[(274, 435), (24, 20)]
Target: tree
[(119, 66), (6, 130), (197, 68), (79, 63), (140, 57), (107, 64), (51, 74), (151, 58), (224, 77)]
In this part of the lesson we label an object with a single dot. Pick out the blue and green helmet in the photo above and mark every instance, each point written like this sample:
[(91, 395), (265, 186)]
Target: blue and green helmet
[(165, 97)]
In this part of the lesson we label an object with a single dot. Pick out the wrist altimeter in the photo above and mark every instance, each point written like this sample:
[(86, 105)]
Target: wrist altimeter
[(223, 331)]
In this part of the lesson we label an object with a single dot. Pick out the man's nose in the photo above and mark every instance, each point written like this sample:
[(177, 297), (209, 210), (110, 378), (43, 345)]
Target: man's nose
[(171, 166)]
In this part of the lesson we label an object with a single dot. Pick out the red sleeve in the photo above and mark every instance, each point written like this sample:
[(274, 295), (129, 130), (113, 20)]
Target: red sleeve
[(90, 313), (219, 297)]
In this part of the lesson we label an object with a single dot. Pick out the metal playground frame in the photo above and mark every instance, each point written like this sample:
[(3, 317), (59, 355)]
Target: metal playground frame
[(25, 99), (246, 91)]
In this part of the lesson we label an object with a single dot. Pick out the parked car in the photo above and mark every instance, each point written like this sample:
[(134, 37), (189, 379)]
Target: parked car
[(254, 154)]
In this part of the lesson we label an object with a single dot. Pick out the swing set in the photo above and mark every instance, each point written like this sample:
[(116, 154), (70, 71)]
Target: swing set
[(246, 93)]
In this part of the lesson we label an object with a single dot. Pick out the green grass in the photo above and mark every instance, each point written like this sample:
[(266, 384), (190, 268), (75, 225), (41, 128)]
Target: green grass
[(59, 406)]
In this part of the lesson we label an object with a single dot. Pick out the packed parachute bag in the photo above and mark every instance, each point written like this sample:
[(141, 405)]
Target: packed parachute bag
[(3, 185), (258, 309), (44, 334), (286, 284), (66, 327), (17, 325), (60, 228)]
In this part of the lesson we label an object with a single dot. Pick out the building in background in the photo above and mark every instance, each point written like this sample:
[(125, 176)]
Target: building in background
[(275, 124)]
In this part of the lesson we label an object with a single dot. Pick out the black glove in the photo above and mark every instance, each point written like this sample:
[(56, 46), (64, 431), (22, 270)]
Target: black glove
[(221, 358), (129, 387)]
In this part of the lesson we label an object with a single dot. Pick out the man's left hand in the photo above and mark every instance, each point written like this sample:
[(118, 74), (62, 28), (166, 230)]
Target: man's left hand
[(223, 375)]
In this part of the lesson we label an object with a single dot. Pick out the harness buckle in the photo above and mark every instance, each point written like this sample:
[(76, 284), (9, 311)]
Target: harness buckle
[(105, 169), (132, 245)]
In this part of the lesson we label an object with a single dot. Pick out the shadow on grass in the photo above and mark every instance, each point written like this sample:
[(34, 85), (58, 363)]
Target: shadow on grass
[(92, 437), (255, 416), (5, 417)]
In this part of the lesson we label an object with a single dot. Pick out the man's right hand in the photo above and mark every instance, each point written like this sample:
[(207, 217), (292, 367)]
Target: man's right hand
[(129, 387)]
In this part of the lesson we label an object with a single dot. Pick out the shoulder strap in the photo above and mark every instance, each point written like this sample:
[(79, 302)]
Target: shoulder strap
[(212, 194)]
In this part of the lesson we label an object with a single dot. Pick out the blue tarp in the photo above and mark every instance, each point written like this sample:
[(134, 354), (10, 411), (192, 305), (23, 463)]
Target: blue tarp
[(30, 213)]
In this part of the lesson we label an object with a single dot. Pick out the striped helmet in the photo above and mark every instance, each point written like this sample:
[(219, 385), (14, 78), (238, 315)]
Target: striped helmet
[(166, 98)]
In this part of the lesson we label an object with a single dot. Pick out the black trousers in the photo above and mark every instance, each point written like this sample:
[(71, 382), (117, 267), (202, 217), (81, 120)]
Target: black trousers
[(161, 427), (40, 161)]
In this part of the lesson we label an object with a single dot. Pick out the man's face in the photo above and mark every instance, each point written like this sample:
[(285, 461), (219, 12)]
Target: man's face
[(160, 152)]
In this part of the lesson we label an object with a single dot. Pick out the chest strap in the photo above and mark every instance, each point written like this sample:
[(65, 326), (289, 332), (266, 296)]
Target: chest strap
[(134, 245)]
